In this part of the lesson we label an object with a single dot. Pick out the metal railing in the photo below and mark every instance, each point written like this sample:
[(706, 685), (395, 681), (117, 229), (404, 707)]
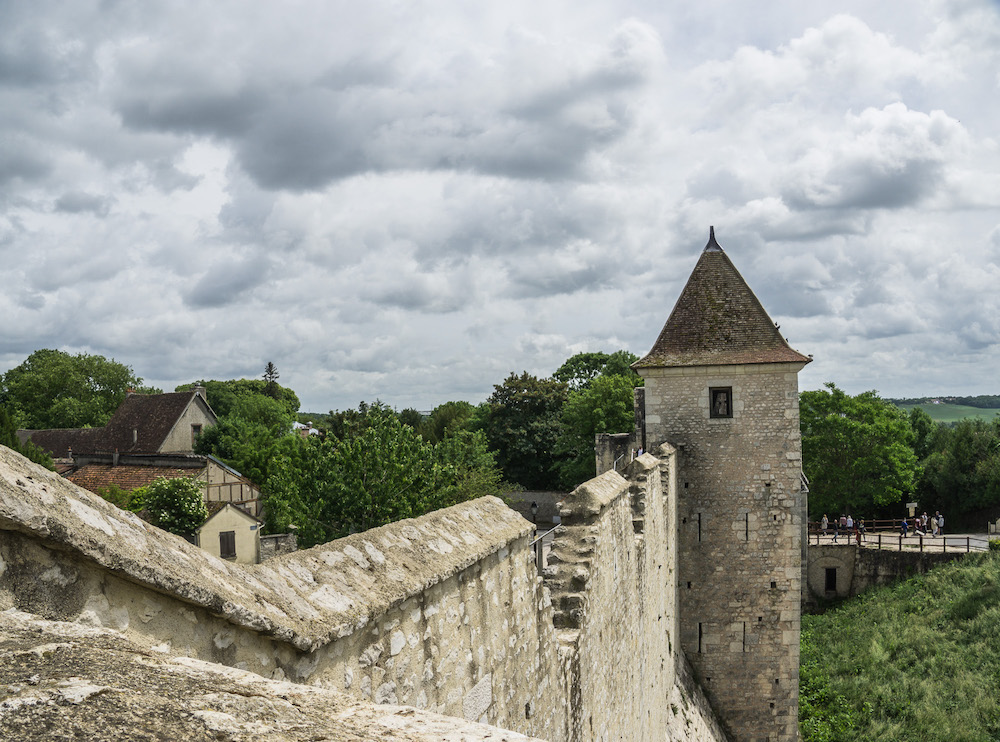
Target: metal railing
[(899, 542), (539, 547)]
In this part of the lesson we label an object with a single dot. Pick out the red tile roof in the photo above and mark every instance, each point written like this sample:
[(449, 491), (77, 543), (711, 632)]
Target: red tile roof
[(718, 320), (95, 477)]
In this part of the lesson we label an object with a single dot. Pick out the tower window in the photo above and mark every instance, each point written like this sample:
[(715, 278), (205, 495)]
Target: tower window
[(720, 401)]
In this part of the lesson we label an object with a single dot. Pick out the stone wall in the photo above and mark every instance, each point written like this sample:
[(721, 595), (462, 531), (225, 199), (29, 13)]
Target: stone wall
[(276, 544), (741, 508), (445, 612), (856, 569)]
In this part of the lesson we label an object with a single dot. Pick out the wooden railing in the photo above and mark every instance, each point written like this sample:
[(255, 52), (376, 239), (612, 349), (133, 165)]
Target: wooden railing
[(899, 542)]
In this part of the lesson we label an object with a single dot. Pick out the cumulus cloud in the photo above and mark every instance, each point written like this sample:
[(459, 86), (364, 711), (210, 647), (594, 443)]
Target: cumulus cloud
[(409, 202)]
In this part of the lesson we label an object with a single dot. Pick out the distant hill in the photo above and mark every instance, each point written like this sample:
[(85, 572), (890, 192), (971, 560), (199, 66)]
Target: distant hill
[(983, 401), (953, 409), (910, 662)]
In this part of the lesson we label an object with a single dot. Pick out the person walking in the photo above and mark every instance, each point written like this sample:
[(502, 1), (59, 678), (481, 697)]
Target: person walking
[(904, 527), (824, 524), (940, 520)]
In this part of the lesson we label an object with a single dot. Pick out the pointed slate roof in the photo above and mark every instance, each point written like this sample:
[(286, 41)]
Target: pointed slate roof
[(718, 321)]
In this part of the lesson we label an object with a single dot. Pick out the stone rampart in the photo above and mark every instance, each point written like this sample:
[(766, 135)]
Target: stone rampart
[(444, 612), (843, 571)]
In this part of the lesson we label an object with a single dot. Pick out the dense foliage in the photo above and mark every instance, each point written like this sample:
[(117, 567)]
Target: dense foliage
[(856, 451), (961, 471), (522, 424), (379, 471), (910, 662), (8, 437), (53, 389), (224, 395), (176, 505)]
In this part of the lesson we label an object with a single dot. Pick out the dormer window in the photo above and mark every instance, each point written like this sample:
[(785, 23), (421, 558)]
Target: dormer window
[(720, 400)]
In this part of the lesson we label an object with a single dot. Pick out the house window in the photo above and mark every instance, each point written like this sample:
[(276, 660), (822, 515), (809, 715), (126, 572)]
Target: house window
[(227, 544), (195, 432), (721, 401)]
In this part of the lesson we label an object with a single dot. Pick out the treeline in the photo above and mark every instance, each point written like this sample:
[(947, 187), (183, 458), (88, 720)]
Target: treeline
[(865, 456), (982, 401), (373, 465)]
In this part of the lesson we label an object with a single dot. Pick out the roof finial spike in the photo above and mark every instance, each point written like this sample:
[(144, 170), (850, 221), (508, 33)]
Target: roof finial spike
[(712, 245)]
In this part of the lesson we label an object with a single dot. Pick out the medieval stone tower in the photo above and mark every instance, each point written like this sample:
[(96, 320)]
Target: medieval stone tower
[(721, 384)]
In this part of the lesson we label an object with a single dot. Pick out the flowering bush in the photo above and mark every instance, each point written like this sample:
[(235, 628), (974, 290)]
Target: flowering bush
[(176, 505)]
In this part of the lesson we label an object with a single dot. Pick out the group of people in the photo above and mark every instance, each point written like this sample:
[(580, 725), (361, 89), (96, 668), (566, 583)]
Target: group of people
[(922, 525), (845, 524)]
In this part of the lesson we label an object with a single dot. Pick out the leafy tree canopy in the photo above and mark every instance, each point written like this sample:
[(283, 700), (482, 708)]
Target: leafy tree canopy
[(606, 405), (223, 395), (8, 437), (962, 469), (447, 419), (522, 424), (856, 452), (578, 371), (53, 389), (381, 471)]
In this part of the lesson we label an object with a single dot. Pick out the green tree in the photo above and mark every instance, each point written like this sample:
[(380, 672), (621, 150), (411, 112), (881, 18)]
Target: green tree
[(176, 505), (223, 395), (923, 427), (856, 451), (413, 418), (271, 387), (8, 437), (521, 427), (447, 419), (962, 472), (53, 389), (580, 370), (606, 405), (379, 472)]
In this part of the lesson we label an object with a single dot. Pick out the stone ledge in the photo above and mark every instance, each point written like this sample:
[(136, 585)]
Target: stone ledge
[(65, 680), (307, 598)]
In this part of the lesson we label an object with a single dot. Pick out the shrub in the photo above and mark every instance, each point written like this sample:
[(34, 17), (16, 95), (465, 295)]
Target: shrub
[(176, 505), (995, 544)]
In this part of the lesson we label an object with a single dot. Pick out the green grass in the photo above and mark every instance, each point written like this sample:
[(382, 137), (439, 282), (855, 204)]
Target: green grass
[(916, 661), (952, 413)]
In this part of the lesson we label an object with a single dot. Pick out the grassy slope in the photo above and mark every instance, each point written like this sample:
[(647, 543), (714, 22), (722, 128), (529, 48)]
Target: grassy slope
[(916, 661), (951, 413)]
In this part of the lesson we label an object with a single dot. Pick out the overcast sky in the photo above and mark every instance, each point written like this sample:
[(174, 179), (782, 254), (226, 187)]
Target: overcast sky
[(409, 200)]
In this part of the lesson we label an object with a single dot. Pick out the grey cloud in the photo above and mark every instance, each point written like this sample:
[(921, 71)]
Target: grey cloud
[(20, 159), (535, 281), (76, 202), (871, 185), (359, 72), (226, 283), (216, 113), (30, 56)]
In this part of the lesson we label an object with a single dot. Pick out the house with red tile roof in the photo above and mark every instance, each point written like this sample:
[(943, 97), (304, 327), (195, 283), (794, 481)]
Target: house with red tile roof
[(149, 436)]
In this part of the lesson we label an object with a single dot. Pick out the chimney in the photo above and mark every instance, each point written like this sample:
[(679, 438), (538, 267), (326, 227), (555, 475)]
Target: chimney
[(200, 390)]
